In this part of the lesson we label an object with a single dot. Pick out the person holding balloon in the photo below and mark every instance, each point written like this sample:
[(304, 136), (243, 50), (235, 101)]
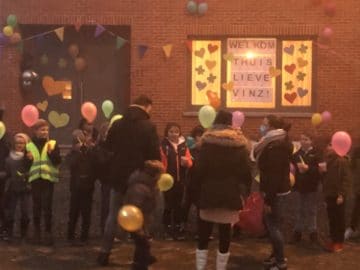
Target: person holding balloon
[(336, 185), (176, 158), (43, 157), (224, 174)]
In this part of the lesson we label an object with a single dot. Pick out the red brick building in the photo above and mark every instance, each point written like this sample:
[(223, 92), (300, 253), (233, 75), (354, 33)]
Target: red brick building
[(335, 65)]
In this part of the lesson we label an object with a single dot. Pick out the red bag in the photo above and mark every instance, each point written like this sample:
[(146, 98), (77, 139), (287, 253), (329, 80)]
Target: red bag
[(251, 217)]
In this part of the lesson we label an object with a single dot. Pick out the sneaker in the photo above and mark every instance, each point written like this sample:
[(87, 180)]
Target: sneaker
[(269, 261), (279, 266), (348, 233), (103, 258)]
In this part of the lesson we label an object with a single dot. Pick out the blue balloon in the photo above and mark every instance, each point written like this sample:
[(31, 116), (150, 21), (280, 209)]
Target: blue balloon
[(190, 142), (202, 9), (192, 7)]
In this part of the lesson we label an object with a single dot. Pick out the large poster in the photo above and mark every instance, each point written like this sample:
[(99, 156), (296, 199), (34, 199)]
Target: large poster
[(253, 86)]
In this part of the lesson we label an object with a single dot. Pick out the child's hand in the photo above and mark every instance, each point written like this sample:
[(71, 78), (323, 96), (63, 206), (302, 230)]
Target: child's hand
[(29, 156), (184, 161), (340, 200)]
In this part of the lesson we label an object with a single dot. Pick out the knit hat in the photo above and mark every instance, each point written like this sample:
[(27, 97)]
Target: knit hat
[(39, 124), (22, 136)]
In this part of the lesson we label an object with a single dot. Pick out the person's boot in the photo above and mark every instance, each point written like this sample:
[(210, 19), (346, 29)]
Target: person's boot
[(201, 259), (296, 238), (103, 258), (222, 260), (24, 229), (48, 239)]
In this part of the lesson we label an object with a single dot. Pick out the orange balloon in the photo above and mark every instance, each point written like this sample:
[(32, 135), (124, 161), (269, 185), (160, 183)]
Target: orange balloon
[(80, 64), (130, 218), (73, 50)]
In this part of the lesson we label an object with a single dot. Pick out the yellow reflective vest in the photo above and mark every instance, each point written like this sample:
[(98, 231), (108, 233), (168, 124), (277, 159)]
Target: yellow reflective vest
[(42, 166)]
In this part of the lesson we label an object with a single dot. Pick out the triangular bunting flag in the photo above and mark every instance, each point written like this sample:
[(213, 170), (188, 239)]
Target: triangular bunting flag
[(99, 30), (120, 42), (167, 50), (77, 26), (60, 33), (189, 45), (142, 50)]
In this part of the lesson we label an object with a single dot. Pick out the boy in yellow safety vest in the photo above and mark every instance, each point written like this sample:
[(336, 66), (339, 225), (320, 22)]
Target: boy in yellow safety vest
[(44, 156)]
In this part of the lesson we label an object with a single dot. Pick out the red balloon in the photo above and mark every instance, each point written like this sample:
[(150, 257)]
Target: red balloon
[(80, 64), (89, 111), (341, 143), (330, 8), (29, 115), (327, 33)]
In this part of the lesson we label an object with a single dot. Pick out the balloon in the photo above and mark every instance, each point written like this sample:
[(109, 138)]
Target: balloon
[(165, 182), (15, 38), (3, 39), (73, 50), (326, 116), (2, 130), (327, 33), (11, 20), (29, 115), (341, 143), (238, 119), (190, 142), (80, 64), (202, 8), (89, 111), (115, 118), (191, 7), (257, 178), (8, 31), (292, 179), (316, 119), (207, 116), (130, 218), (330, 9), (107, 108)]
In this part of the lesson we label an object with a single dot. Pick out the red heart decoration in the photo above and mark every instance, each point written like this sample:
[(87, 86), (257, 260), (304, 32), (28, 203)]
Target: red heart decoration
[(212, 48), (290, 97), (290, 68)]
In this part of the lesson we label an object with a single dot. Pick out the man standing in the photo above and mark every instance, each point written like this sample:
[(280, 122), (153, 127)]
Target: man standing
[(133, 140)]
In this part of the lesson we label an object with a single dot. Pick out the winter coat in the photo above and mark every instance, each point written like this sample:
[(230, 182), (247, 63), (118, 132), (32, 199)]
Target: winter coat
[(223, 168), (102, 162), (337, 178), (308, 181), (142, 192), (192, 183), (133, 140), (16, 172), (274, 166), (355, 164), (4, 153)]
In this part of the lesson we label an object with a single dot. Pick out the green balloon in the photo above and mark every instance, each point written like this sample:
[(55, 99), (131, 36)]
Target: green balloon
[(2, 130), (115, 118), (207, 116), (107, 108), (11, 20)]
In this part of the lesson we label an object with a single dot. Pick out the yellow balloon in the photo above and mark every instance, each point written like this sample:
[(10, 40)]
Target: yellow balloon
[(257, 178), (114, 118), (8, 31), (165, 182), (130, 218), (292, 179), (316, 119)]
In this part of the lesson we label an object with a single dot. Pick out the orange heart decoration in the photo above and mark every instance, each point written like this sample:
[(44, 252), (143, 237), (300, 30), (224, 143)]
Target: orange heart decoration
[(228, 86), (52, 87), (210, 64), (274, 72)]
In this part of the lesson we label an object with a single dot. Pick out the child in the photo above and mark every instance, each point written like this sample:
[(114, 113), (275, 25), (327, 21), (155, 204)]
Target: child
[(176, 159), (335, 187), (307, 179), (44, 158), (142, 192), (81, 162), (17, 189)]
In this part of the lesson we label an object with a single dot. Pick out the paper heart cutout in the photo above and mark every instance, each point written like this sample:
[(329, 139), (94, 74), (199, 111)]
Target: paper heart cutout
[(42, 106), (212, 48), (228, 57), (302, 92), (290, 68), (52, 87), (289, 50), (58, 120), (210, 64), (302, 62), (200, 53), (200, 85), (228, 86), (274, 72), (290, 97)]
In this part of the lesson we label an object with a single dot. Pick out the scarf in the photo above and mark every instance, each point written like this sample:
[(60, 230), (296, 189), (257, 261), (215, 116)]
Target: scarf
[(14, 155), (271, 136)]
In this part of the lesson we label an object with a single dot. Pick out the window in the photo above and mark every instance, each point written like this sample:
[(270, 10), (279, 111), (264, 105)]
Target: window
[(253, 74)]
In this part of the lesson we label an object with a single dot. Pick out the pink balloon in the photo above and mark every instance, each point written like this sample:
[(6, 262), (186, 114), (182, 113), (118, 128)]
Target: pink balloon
[(330, 8), (29, 115), (326, 116), (327, 32), (341, 143), (89, 111), (238, 119)]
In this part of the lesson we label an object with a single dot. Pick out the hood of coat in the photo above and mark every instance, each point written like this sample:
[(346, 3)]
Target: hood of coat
[(225, 136), (136, 113)]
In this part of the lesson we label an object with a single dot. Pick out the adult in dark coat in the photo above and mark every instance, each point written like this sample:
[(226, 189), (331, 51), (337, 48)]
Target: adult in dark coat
[(273, 155), (133, 140), (224, 172)]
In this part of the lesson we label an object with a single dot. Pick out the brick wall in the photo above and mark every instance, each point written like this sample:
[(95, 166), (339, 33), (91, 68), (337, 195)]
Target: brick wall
[(159, 22)]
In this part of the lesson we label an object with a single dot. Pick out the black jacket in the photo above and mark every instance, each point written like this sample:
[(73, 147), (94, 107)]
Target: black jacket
[(4, 153), (274, 166), (133, 140), (223, 168), (308, 181), (355, 164)]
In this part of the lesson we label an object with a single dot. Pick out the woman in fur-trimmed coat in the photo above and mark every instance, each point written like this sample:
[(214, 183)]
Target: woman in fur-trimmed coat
[(224, 173)]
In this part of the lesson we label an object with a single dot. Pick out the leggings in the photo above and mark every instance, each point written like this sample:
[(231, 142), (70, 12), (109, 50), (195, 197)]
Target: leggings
[(205, 229)]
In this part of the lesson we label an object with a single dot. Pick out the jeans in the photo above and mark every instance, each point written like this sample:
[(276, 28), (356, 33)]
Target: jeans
[(355, 213), (336, 215), (116, 201), (306, 212), (273, 221)]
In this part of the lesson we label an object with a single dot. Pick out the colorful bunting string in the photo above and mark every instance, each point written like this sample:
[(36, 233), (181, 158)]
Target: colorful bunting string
[(60, 33), (142, 50), (99, 30)]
